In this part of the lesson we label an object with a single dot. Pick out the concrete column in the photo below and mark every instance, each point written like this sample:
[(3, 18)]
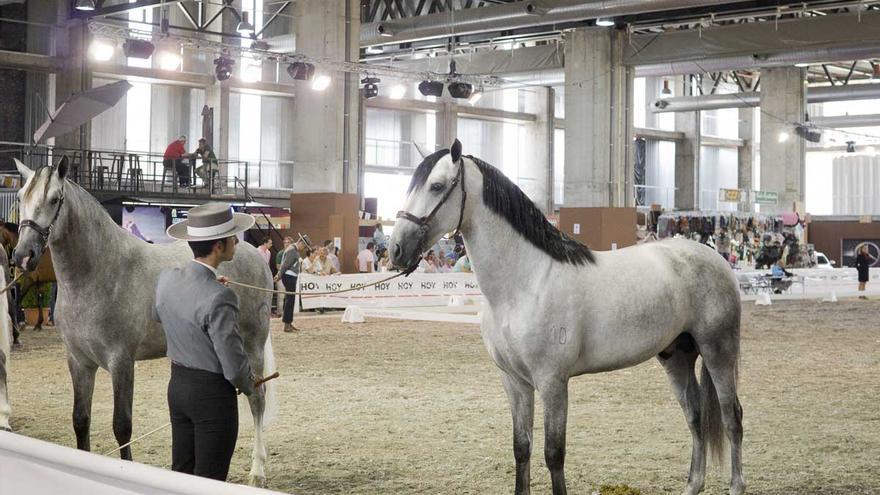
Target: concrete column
[(596, 125), (71, 44), (447, 125), (687, 155), (783, 163), (326, 122), (535, 173), (745, 158)]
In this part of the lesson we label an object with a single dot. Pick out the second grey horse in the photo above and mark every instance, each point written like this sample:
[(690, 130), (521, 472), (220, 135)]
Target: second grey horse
[(106, 288)]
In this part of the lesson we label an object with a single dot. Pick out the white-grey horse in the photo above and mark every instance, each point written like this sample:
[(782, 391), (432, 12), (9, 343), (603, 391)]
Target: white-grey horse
[(555, 309), (106, 288), (5, 343)]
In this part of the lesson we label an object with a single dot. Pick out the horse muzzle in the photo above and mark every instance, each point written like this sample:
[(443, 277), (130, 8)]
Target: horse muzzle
[(26, 259)]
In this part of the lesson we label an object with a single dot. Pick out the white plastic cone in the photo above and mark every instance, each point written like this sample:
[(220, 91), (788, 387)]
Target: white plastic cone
[(763, 300), (353, 314), (832, 297)]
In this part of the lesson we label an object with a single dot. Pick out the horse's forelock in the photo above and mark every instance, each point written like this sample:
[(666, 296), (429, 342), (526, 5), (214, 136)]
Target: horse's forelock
[(42, 177), (423, 171)]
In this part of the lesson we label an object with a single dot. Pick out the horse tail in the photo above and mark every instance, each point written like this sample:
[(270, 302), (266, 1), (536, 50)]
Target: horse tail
[(269, 368), (710, 417), (5, 357)]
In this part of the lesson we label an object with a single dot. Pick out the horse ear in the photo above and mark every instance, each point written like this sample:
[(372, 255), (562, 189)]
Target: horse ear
[(456, 150), (420, 150), (23, 169), (62, 167)]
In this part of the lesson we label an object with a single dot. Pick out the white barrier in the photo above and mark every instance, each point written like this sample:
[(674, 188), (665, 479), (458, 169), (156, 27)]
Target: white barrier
[(418, 289), (820, 282), (34, 467)]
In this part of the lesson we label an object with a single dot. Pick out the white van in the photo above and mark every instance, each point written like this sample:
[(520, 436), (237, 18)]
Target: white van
[(822, 261)]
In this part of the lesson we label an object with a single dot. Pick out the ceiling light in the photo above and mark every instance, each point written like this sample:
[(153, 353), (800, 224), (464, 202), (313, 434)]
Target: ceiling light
[(384, 31), (431, 88), (665, 92), (375, 50), (244, 27), (223, 71), (321, 82), (802, 64), (475, 96), (850, 146), (85, 5), (301, 71), (102, 50), (783, 137), (460, 89), (371, 88), (169, 59), (138, 49), (808, 133), (605, 22), (398, 91)]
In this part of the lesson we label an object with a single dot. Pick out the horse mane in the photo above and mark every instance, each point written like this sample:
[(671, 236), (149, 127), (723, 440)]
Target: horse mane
[(423, 171), (507, 200)]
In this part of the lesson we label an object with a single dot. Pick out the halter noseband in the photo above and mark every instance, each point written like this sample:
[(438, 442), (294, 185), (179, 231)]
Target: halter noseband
[(44, 231), (424, 221)]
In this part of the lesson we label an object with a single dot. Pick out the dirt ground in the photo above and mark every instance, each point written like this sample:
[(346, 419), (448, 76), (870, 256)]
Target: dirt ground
[(417, 407)]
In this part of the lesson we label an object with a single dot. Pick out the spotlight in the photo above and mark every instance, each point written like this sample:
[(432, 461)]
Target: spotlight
[(223, 71), (810, 134), (783, 137), (371, 90), (169, 59), (375, 50), (252, 72), (301, 71), (431, 88), (138, 49), (85, 5), (321, 82), (398, 91), (102, 50), (605, 22), (850, 146), (244, 27), (802, 64), (460, 89), (475, 97), (665, 92), (384, 31)]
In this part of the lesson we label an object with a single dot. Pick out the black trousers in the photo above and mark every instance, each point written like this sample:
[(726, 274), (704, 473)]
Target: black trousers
[(184, 169), (204, 422), (289, 282)]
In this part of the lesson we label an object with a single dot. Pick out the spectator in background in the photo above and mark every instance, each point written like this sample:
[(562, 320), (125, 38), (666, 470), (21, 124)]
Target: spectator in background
[(384, 261), (210, 166), (442, 265), (176, 157), (379, 238), (323, 265), (428, 264), (264, 250), (332, 254), (366, 259), (288, 272), (463, 265), (864, 260), (308, 263)]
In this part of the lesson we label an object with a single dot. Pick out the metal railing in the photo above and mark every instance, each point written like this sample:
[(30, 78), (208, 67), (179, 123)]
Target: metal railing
[(138, 172)]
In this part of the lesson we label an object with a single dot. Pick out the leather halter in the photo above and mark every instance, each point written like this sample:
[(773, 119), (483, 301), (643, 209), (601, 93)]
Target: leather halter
[(424, 221), (44, 231)]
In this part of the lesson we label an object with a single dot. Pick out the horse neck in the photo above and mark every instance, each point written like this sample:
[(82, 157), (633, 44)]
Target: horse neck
[(89, 240), (502, 260)]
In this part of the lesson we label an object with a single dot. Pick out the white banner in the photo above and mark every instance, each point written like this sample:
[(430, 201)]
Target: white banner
[(820, 281), (418, 289)]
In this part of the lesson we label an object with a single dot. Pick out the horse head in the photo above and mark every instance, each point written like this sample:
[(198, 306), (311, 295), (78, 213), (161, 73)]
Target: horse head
[(40, 200), (435, 205)]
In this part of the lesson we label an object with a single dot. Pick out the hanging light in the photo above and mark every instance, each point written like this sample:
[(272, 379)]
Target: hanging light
[(244, 27), (605, 22), (374, 50), (102, 50), (321, 82), (371, 88), (397, 91), (85, 5), (169, 57), (301, 71), (138, 49), (850, 146), (782, 137), (665, 92), (223, 69), (431, 88), (460, 89)]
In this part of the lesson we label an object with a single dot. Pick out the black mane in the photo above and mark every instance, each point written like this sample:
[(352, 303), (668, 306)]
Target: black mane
[(420, 176), (507, 200)]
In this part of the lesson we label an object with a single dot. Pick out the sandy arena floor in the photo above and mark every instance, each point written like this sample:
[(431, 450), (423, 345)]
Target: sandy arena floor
[(416, 407)]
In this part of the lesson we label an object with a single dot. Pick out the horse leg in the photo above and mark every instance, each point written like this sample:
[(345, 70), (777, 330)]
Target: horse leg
[(82, 373), (5, 410), (720, 373), (521, 397), (679, 366), (554, 394), (122, 376), (257, 402)]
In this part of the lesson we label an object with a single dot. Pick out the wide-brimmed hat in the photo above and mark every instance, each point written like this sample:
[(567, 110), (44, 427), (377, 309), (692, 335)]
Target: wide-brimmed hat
[(209, 222)]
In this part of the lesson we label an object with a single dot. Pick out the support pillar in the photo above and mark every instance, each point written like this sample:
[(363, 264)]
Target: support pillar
[(687, 155), (783, 161), (71, 44), (597, 131), (447, 125), (746, 154), (535, 173), (325, 125)]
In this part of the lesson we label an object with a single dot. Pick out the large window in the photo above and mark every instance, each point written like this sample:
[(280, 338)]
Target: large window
[(558, 167), (718, 170)]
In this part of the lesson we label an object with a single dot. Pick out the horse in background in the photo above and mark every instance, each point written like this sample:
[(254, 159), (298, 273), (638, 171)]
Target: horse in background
[(555, 309), (106, 289)]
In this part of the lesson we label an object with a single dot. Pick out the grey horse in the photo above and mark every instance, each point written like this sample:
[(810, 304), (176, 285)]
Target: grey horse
[(106, 288), (555, 309)]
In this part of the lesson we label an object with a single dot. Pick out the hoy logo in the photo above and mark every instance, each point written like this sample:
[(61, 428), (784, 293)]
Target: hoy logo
[(310, 286), (428, 285), (404, 285), (450, 285)]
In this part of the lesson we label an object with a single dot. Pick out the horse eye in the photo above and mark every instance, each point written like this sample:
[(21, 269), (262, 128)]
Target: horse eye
[(54, 201), (436, 187)]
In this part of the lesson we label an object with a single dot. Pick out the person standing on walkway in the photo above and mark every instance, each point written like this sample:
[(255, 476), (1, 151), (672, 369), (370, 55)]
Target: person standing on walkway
[(288, 272), (199, 315), (863, 264)]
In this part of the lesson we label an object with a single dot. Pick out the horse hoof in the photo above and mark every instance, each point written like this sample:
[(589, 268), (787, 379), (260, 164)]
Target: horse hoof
[(258, 481), (16, 345)]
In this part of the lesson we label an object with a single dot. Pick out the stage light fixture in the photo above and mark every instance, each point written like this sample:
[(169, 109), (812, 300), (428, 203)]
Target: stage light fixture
[(85, 5), (375, 50), (850, 146), (321, 82), (244, 27), (665, 92), (431, 88), (605, 22), (371, 88), (301, 71), (138, 49), (223, 69), (102, 50), (397, 91), (460, 89), (808, 133), (169, 58)]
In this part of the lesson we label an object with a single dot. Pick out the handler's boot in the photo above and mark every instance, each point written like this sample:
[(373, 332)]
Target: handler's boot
[(288, 328)]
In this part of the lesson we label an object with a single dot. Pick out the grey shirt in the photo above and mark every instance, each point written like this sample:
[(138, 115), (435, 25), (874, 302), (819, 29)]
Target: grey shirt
[(290, 261), (200, 318)]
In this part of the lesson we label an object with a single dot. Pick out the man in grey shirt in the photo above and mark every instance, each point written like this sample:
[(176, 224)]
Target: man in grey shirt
[(288, 272), (200, 318)]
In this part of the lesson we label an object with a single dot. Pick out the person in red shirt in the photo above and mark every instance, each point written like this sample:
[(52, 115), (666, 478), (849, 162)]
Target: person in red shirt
[(175, 156)]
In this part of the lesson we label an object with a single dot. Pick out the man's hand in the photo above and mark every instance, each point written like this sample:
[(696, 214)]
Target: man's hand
[(223, 280), (276, 278)]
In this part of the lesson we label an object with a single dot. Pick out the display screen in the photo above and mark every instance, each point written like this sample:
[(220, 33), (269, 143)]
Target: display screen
[(147, 223)]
